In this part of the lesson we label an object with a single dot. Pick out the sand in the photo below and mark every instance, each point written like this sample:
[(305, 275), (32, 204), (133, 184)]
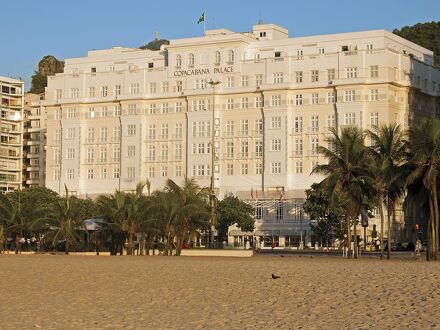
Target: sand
[(78, 292)]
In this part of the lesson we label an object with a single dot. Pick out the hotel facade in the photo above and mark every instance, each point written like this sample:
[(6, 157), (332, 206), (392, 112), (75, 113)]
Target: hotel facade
[(124, 115), (11, 134)]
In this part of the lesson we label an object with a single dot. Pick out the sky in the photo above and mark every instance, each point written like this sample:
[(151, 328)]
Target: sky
[(67, 28)]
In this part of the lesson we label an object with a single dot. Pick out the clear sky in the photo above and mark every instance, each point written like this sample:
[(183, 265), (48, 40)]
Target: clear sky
[(68, 28)]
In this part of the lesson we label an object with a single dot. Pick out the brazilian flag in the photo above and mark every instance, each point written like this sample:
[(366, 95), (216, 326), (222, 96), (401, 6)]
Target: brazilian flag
[(201, 18)]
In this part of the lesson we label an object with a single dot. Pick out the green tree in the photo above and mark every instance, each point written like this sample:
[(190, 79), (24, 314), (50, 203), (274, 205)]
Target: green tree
[(388, 173), (329, 219), (155, 44), (424, 162), (346, 179), (64, 222), (231, 210)]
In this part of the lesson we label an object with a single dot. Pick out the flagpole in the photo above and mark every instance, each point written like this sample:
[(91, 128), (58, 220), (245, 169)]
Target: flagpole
[(204, 23)]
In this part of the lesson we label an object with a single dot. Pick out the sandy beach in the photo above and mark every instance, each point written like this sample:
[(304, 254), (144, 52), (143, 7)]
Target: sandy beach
[(78, 292)]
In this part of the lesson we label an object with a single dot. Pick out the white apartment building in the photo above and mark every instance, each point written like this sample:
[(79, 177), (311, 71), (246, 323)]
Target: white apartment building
[(11, 134), (34, 156), (122, 115)]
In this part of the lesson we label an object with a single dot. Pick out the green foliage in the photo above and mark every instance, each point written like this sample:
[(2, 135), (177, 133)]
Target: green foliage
[(424, 34), (155, 44), (329, 220), (231, 210), (39, 197), (38, 83)]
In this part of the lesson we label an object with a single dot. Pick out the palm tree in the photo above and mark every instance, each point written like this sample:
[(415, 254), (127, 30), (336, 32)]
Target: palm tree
[(346, 176), (388, 172), (17, 217), (424, 159), (64, 222)]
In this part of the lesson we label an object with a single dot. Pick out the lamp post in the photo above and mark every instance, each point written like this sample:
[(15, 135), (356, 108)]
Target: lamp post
[(212, 192)]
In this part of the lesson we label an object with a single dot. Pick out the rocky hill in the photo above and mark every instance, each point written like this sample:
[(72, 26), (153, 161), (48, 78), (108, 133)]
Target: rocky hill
[(48, 66)]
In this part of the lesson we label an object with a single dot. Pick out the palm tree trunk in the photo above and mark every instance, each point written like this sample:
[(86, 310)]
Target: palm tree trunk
[(436, 220), (429, 230), (355, 245), (347, 221), (381, 228), (66, 246), (389, 210), (130, 243)]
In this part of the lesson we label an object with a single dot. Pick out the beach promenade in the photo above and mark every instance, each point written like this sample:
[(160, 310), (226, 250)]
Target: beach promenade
[(79, 292)]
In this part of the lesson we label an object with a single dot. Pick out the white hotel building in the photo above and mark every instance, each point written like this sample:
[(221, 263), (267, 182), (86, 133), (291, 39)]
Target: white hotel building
[(122, 115)]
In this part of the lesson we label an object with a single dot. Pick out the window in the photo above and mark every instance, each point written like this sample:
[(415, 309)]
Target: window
[(103, 134), (314, 98), (59, 93), (369, 46), (179, 85), (350, 118), (71, 113), (103, 154), (70, 133), (298, 167), (152, 109), (258, 168), (230, 104), (90, 155), (321, 51), (262, 34), (164, 131), (331, 98), (178, 152), (191, 59), (74, 93), (56, 175), (57, 136), (229, 169), (131, 151), (152, 87), (231, 56), (351, 72), (298, 99), (315, 76), (275, 100), (299, 52), (229, 149), (103, 173), (57, 115), (244, 102), (244, 81), (70, 153), (117, 111), (178, 130), (229, 128), (298, 147), (331, 121), (131, 130), (259, 102), (178, 170), (90, 173), (244, 127), (57, 156), (374, 119), (258, 148), (70, 174), (116, 173), (275, 145), (374, 95), (131, 172), (165, 86), (116, 133), (132, 109), (314, 120), (165, 108), (275, 167), (104, 112), (178, 60), (104, 91), (217, 58), (374, 71), (151, 149), (314, 142), (349, 96), (117, 89), (90, 113), (298, 125), (278, 78), (230, 82), (244, 169), (91, 91), (258, 80), (116, 153), (179, 106), (331, 74), (275, 122), (134, 88), (299, 76), (244, 148)]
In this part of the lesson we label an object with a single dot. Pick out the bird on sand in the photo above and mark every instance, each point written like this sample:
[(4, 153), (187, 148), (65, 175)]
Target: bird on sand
[(274, 277)]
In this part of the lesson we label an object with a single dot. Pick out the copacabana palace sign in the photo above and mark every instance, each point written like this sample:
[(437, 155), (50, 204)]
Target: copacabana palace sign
[(196, 72)]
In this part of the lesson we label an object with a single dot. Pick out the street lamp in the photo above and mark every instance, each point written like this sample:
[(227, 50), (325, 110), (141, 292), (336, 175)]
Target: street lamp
[(212, 192)]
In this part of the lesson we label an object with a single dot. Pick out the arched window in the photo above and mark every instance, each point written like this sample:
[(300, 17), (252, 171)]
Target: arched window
[(231, 56), (217, 57), (191, 59), (178, 60)]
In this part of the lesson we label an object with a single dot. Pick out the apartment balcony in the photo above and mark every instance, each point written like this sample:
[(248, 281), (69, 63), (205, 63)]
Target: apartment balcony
[(32, 142), (312, 130), (33, 181), (33, 168)]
